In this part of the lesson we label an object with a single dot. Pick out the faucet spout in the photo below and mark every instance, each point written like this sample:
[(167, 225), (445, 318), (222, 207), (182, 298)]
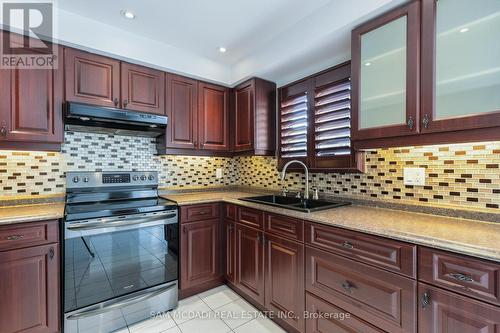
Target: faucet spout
[(283, 174)]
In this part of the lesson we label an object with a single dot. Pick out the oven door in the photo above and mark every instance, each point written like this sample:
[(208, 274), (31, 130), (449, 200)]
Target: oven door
[(119, 270)]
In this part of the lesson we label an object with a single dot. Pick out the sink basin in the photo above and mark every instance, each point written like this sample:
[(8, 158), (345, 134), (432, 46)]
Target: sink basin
[(303, 205)]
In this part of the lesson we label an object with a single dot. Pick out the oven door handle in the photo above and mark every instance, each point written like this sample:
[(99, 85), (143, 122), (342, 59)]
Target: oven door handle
[(121, 223), (121, 302)]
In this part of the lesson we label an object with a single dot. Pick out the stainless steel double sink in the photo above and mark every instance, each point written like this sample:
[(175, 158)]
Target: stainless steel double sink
[(303, 205)]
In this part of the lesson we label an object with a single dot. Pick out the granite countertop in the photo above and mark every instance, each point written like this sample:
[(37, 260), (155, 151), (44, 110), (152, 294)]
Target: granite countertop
[(464, 236), (31, 213)]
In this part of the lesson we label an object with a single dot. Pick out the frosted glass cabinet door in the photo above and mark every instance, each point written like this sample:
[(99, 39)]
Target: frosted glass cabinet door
[(385, 74), (461, 59)]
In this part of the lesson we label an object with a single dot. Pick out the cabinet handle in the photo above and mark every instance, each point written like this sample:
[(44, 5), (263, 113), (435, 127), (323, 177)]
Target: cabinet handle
[(426, 121), (125, 103), (348, 286), (115, 101), (15, 237), (184, 229), (411, 123), (203, 212), (51, 253), (347, 245), (426, 300), (461, 277), (3, 131)]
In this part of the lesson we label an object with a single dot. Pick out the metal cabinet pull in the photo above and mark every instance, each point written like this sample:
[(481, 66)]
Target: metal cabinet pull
[(426, 300), (426, 121), (411, 123), (15, 237), (348, 286), (461, 277), (115, 101), (3, 131), (347, 245), (51, 253), (125, 103)]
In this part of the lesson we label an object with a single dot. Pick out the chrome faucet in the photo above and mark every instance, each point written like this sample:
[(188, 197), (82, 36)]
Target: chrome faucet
[(283, 174)]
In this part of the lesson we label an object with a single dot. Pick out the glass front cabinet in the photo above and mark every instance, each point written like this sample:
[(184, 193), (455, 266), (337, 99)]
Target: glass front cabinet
[(428, 67)]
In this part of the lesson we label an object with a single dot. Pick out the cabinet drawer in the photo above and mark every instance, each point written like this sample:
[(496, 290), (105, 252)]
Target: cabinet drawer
[(465, 275), (384, 299), (28, 234), (392, 255), (284, 226), (250, 217), (199, 212), (327, 318), (230, 212)]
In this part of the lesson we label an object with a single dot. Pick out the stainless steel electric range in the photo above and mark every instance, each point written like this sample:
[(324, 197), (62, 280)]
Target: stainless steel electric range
[(120, 250)]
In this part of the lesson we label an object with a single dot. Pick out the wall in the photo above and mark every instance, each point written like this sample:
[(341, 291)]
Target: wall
[(462, 176)]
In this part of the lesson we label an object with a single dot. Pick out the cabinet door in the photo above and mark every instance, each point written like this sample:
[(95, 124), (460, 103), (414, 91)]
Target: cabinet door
[(92, 79), (213, 117), (244, 117), (284, 281), (29, 290), (460, 62), (250, 262), (31, 104), (200, 258), (182, 112), (230, 250), (143, 89), (385, 74), (445, 312)]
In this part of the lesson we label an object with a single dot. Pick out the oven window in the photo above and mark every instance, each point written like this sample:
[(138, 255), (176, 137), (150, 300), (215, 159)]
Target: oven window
[(100, 267)]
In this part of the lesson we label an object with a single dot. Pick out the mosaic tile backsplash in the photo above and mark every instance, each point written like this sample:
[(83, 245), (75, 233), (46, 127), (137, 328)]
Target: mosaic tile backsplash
[(463, 175)]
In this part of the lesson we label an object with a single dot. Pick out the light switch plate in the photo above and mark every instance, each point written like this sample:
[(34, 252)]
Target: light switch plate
[(218, 173), (414, 176)]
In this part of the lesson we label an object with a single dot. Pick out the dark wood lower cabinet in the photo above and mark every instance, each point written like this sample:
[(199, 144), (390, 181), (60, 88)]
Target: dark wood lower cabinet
[(200, 253), (230, 253), (29, 290), (444, 312), (284, 280), (250, 262)]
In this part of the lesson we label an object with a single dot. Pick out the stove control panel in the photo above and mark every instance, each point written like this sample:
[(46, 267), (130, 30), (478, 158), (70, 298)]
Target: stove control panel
[(77, 180)]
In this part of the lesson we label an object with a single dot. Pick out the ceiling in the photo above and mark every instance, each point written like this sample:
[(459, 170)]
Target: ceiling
[(279, 40)]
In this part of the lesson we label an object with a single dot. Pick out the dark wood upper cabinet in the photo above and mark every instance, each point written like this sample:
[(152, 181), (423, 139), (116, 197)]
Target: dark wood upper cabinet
[(182, 112), (460, 85), (31, 107), (254, 117), (284, 279), (92, 79), (200, 248), (213, 117), (315, 122), (385, 74), (250, 262), (443, 312), (142, 89)]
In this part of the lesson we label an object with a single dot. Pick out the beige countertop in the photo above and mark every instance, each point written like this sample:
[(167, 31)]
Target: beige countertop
[(470, 237), (31, 213)]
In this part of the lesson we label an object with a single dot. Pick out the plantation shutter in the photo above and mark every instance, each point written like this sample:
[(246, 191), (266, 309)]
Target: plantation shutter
[(294, 126)]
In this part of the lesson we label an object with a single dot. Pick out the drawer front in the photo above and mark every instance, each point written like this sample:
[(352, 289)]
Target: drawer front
[(327, 318), (230, 212), (284, 226), (28, 234), (383, 299), (465, 275), (392, 255), (199, 212), (250, 217)]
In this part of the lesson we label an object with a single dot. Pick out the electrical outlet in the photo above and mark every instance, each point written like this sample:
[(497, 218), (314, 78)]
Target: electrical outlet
[(218, 173), (414, 176)]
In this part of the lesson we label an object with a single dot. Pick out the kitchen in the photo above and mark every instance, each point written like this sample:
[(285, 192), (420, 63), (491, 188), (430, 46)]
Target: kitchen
[(161, 172)]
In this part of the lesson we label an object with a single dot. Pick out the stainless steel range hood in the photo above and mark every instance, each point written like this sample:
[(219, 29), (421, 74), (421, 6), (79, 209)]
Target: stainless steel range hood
[(90, 118)]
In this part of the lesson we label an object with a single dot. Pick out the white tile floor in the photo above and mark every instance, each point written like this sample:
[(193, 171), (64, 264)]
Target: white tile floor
[(219, 310)]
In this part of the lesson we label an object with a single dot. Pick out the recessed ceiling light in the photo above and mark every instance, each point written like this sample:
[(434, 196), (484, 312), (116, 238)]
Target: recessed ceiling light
[(464, 30), (128, 14), (368, 63), (222, 49)]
